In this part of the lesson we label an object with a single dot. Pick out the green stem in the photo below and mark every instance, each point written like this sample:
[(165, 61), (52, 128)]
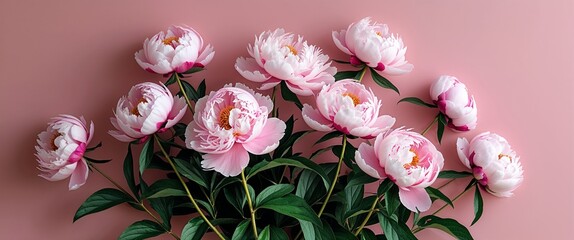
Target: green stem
[(195, 205), (429, 126), (184, 93), (362, 73), (335, 178), (139, 203), (447, 183), (371, 211), (253, 224)]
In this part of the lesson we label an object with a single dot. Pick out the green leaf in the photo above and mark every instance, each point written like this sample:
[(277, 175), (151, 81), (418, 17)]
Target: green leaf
[(285, 148), (382, 81), (394, 230), (189, 91), (142, 230), (417, 101), (146, 154), (171, 80), (194, 70), (310, 187), (454, 174), (313, 231), (272, 192), (442, 122), (94, 147), (293, 206), (384, 187), (435, 193), (329, 136), (129, 172), (194, 229), (190, 172), (236, 197), (477, 205), (341, 61), (164, 188), (164, 207), (346, 74), (273, 233), (299, 162), (367, 234), (392, 201), (447, 225), (288, 95), (241, 232), (265, 234), (360, 178), (101, 200), (97, 161), (201, 89)]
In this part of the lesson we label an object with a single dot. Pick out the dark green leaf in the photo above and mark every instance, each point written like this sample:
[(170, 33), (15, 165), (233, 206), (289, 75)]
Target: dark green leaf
[(101, 200), (194, 70), (299, 162), (341, 233), (171, 80), (385, 186), (441, 124), (319, 151), (477, 205), (242, 231), (129, 172), (360, 178), (146, 154), (447, 225), (417, 101), (188, 171), (285, 148), (435, 193), (453, 174), (288, 95), (97, 161), (394, 230), (317, 232), (94, 147), (164, 188), (189, 91), (392, 201), (329, 136), (293, 206), (340, 61), (272, 192), (383, 82), (164, 207), (346, 74), (273, 233), (142, 230), (349, 156), (310, 187), (367, 234), (236, 197), (194, 229), (201, 89)]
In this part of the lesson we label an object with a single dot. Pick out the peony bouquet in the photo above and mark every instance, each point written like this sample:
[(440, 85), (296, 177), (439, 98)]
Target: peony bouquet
[(233, 170)]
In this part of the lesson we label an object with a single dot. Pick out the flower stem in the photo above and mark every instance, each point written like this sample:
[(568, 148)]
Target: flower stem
[(253, 224), (429, 126), (195, 205), (335, 178), (362, 74), (138, 202), (183, 92), (447, 183), (368, 216)]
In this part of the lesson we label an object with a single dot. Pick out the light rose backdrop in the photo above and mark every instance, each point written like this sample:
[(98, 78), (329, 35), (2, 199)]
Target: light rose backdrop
[(76, 57)]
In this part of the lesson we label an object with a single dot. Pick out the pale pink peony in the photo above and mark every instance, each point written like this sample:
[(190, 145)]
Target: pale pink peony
[(231, 123), (178, 50), (453, 100), (148, 108), (277, 56), (372, 44), (61, 148), (347, 106), (493, 162), (410, 160)]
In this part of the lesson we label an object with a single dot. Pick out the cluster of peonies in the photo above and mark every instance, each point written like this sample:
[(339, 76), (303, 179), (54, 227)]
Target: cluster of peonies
[(234, 121)]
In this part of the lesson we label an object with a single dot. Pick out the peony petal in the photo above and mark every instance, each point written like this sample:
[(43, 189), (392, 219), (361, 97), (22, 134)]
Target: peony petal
[(268, 139), (462, 148), (229, 164), (415, 199), (79, 176), (315, 120), (368, 162), (248, 68)]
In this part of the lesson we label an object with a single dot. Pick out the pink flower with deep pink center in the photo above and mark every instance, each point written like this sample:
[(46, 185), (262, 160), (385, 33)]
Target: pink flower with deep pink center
[(231, 123), (148, 108), (493, 162), (410, 160), (371, 43), (278, 56), (453, 100), (347, 106), (61, 148), (178, 50)]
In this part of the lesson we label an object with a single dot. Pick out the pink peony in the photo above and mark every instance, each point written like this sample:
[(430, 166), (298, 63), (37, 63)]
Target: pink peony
[(231, 123), (178, 50), (148, 108), (277, 56), (347, 106), (494, 164), (454, 101), (61, 148), (373, 45), (410, 160)]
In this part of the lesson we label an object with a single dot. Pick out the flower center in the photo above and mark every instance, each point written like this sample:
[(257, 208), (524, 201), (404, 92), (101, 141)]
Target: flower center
[(414, 162), (353, 97), (53, 141), (292, 49), (500, 156), (224, 117), (169, 40), (380, 34), (135, 110)]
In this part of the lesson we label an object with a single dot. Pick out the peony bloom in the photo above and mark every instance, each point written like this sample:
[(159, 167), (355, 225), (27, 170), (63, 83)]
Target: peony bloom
[(493, 162), (454, 101), (231, 123), (61, 148), (277, 56), (178, 50), (147, 109), (410, 160), (372, 44), (347, 106)]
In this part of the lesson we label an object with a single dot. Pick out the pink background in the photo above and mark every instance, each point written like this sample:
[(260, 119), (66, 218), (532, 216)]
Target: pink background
[(76, 57)]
